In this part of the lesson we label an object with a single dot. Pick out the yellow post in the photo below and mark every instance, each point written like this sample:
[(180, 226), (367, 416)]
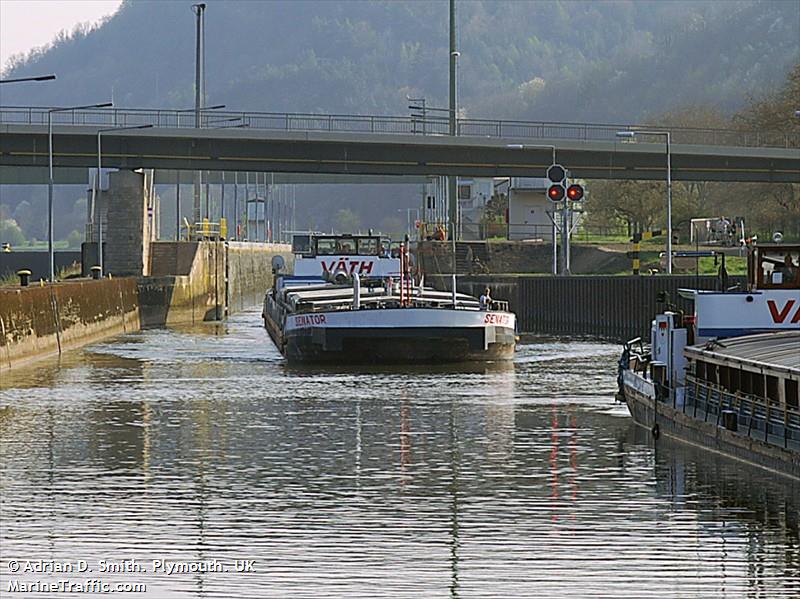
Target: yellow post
[(223, 228), (206, 228)]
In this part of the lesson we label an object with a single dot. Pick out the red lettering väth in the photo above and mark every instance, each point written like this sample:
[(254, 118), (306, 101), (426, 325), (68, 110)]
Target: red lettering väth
[(780, 316), (363, 267)]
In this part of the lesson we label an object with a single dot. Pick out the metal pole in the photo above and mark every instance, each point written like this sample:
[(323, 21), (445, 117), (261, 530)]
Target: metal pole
[(266, 205), (236, 204), (100, 219), (555, 243), (222, 198), (177, 205), (452, 182), (199, 75), (669, 208), (247, 206), (453, 56), (564, 241), (208, 195), (50, 255), (570, 217)]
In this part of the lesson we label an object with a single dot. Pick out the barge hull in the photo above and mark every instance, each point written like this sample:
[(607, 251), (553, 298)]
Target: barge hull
[(398, 346), (708, 435)]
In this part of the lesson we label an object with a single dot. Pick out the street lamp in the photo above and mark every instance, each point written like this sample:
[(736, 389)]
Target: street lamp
[(630, 135), (51, 256), (21, 79), (96, 188)]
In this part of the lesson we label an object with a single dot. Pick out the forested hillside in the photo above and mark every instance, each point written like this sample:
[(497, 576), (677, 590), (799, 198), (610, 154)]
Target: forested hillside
[(620, 61), (698, 63)]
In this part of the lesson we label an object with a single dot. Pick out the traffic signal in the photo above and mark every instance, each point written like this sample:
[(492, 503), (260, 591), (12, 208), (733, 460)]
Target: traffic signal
[(556, 173), (575, 192), (555, 193)]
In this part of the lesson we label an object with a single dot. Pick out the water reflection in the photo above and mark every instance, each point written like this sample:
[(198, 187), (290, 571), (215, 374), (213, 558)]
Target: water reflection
[(501, 480)]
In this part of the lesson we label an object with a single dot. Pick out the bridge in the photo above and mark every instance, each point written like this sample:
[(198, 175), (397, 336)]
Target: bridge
[(386, 146)]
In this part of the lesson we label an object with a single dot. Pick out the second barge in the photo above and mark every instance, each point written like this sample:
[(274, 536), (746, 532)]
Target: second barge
[(726, 378)]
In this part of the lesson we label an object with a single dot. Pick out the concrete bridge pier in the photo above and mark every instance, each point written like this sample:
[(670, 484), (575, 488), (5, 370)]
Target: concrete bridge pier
[(131, 223)]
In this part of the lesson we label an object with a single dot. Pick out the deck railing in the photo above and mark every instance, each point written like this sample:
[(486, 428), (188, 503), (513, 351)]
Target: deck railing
[(409, 125), (759, 418)]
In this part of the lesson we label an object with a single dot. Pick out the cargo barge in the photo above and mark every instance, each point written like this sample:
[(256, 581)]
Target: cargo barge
[(726, 377), (352, 299)]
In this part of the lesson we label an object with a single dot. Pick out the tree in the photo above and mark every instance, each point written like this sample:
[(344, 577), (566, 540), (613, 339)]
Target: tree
[(640, 204), (11, 233), (346, 221), (74, 239), (774, 116)]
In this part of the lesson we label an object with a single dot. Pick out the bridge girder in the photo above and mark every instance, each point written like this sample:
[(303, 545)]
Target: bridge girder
[(388, 154)]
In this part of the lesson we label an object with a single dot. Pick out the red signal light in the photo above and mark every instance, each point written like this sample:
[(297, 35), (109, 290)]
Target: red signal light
[(555, 193), (575, 192)]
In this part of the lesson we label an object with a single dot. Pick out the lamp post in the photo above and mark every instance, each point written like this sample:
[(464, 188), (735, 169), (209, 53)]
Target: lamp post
[(198, 110), (630, 135), (51, 256), (21, 79), (452, 181), (96, 188)]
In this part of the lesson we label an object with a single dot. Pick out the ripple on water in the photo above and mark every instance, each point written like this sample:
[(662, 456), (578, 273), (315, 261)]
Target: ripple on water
[(473, 481)]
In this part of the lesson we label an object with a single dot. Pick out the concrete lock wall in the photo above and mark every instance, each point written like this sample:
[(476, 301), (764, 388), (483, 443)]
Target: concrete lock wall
[(206, 280), (37, 322), (611, 307), (215, 279), (250, 271)]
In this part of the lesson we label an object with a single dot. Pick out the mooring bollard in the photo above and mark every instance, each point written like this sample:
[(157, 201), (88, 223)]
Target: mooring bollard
[(24, 277), (95, 272)]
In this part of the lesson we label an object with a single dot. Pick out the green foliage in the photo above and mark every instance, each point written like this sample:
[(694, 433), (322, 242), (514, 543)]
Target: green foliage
[(11, 233), (74, 239), (765, 208), (346, 221), (541, 60)]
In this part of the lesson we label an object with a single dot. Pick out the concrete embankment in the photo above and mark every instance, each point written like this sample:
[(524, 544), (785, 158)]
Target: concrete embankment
[(192, 282), (37, 322)]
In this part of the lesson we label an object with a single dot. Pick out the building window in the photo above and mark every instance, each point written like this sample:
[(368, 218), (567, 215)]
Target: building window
[(465, 192)]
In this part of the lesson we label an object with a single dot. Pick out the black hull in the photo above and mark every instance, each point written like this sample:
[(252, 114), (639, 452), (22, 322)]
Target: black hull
[(395, 350), (663, 419), (393, 346)]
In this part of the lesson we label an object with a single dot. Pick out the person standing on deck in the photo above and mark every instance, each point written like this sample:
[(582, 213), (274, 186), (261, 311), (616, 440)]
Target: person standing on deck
[(486, 299)]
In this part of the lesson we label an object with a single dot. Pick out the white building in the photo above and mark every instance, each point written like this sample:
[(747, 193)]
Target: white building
[(528, 209)]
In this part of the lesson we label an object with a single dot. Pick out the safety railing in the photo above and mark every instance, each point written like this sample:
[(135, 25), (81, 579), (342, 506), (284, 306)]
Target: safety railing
[(757, 417), (205, 230), (410, 125)]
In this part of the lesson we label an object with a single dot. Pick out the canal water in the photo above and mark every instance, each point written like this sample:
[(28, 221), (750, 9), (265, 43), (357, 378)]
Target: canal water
[(200, 448)]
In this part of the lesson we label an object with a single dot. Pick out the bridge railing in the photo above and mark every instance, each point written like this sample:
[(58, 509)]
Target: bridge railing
[(409, 125)]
